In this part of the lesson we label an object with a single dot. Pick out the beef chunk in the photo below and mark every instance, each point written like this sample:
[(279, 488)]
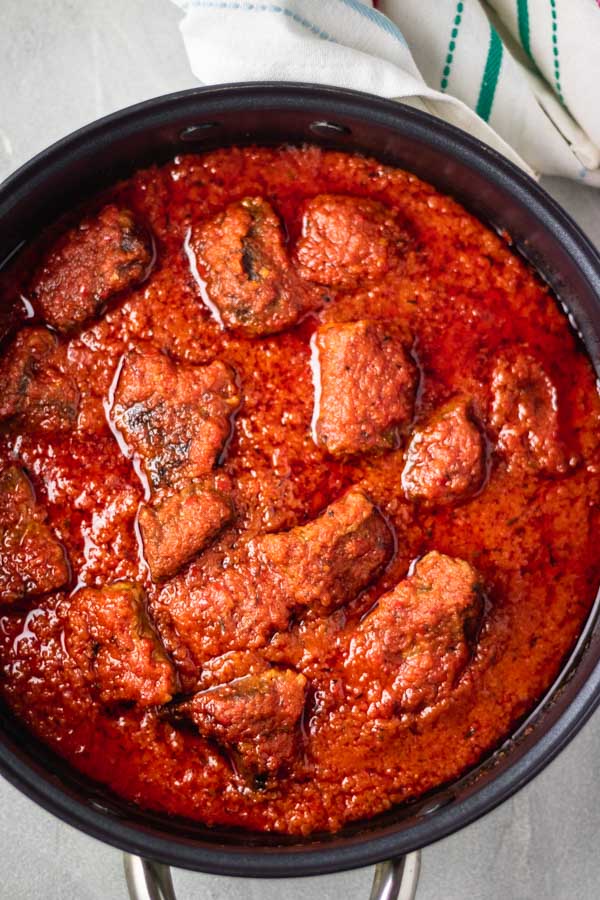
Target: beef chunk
[(255, 717), (175, 417), (109, 636), (176, 529), (221, 608), (90, 263), (365, 386), (241, 605), (32, 561), (525, 415), (445, 460), (249, 278), (32, 388), (408, 654), (347, 240), (327, 562)]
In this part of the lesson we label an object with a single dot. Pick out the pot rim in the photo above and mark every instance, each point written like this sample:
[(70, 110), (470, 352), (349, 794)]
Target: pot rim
[(322, 854)]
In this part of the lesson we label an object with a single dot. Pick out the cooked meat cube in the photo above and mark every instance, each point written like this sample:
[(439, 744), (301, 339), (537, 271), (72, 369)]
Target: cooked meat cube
[(90, 263), (365, 384), (176, 529), (525, 415), (32, 561), (223, 608), (445, 460), (249, 278), (242, 605), (176, 417), (347, 240), (327, 562), (33, 388), (110, 637), (408, 654), (256, 717)]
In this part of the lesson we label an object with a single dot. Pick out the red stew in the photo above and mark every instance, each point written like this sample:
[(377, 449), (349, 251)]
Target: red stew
[(298, 488)]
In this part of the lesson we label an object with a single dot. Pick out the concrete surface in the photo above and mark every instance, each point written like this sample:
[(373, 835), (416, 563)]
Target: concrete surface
[(64, 63)]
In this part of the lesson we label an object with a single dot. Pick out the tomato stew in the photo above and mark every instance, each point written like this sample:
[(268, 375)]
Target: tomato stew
[(299, 482)]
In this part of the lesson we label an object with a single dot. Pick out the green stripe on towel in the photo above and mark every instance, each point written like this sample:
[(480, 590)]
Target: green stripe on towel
[(523, 19), (555, 58), (452, 45), (490, 76)]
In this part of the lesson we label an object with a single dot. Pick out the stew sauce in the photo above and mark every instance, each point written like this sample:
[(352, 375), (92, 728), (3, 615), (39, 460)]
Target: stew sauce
[(298, 491)]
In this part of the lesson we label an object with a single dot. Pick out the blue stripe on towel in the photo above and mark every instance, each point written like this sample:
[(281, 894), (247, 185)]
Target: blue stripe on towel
[(377, 18), (367, 12), (262, 7)]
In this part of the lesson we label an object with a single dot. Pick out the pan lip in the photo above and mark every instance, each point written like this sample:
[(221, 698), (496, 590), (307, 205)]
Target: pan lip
[(367, 848)]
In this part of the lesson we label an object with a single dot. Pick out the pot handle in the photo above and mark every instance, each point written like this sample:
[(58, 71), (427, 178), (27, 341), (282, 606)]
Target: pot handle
[(395, 879)]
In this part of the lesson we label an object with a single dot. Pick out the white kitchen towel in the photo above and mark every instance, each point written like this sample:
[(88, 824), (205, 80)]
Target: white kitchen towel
[(521, 75)]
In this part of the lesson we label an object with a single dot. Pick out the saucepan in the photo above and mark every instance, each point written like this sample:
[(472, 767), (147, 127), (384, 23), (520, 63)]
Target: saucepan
[(499, 194)]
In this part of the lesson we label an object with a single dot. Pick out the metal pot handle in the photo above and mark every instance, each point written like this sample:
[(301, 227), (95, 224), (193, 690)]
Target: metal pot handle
[(397, 879), (394, 880)]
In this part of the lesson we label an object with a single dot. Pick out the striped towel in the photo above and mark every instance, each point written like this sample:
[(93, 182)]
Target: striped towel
[(521, 75)]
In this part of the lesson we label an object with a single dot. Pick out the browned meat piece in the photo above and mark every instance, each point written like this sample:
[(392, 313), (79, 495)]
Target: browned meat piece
[(109, 636), (230, 608), (242, 605), (32, 561), (347, 240), (330, 560), (33, 388), (249, 279), (365, 387), (177, 529), (445, 460), (175, 417), (256, 717), (90, 263), (525, 415), (408, 654)]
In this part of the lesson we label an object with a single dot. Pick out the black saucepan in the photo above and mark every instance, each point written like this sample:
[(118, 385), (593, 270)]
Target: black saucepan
[(499, 194)]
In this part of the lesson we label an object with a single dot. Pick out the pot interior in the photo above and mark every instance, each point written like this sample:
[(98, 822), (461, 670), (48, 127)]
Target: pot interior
[(496, 192)]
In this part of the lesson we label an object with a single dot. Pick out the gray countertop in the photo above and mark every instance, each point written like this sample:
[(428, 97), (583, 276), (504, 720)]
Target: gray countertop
[(64, 63)]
